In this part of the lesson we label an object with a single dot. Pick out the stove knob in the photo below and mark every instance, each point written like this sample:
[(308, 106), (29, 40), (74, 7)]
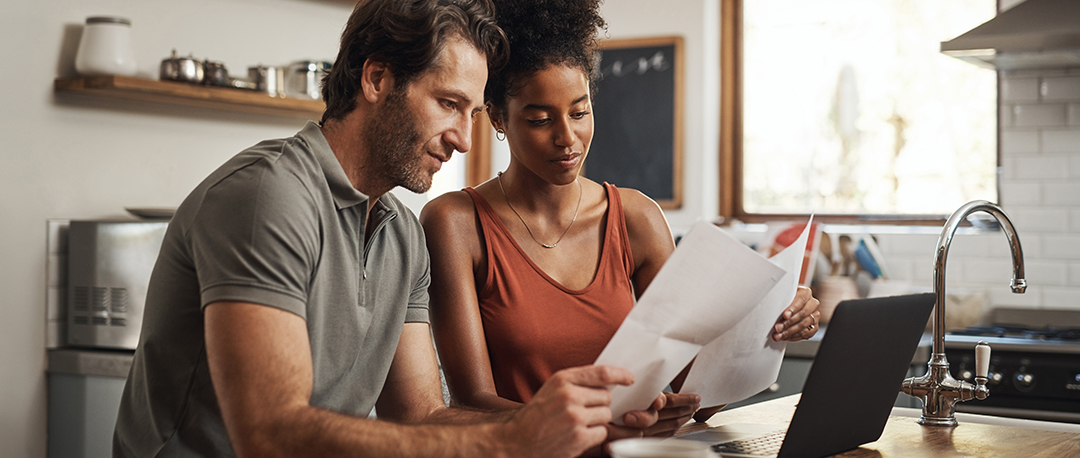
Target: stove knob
[(995, 378), (966, 375), (1023, 381)]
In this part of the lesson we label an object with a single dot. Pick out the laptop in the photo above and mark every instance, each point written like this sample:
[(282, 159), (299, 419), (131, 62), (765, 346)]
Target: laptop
[(851, 388)]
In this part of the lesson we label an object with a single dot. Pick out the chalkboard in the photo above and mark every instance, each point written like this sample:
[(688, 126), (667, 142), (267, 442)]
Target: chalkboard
[(637, 142)]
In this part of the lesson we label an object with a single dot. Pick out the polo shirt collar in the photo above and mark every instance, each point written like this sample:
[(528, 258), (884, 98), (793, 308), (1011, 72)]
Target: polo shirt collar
[(345, 195)]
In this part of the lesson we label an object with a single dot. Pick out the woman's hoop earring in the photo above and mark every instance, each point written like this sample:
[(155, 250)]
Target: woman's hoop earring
[(500, 132)]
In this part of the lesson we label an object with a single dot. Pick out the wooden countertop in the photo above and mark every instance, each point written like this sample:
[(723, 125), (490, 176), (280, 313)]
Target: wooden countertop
[(903, 437)]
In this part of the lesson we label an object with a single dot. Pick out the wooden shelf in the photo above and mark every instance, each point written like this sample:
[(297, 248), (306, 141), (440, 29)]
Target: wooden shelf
[(177, 93)]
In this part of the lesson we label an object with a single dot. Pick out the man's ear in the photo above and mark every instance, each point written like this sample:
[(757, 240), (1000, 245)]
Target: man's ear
[(376, 81)]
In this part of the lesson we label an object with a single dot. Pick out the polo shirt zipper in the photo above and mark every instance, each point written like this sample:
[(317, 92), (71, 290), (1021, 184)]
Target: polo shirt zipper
[(375, 233)]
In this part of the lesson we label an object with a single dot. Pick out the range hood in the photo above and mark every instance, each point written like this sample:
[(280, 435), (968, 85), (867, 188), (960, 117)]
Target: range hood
[(1033, 34)]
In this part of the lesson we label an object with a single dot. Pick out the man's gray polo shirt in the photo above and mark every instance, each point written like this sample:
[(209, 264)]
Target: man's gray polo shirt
[(279, 225)]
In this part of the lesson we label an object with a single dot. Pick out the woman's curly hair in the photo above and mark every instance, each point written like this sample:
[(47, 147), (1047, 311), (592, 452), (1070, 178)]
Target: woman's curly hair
[(544, 33)]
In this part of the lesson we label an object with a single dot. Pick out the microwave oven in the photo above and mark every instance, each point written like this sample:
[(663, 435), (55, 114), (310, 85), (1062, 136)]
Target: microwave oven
[(109, 266)]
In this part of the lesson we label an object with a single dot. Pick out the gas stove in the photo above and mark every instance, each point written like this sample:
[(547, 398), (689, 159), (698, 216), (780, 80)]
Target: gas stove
[(1034, 370), (1020, 338)]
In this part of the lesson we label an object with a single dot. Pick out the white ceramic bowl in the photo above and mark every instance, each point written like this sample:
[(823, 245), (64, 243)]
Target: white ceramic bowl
[(660, 448)]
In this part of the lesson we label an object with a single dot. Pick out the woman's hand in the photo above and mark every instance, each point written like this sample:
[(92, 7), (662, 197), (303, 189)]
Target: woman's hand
[(703, 415), (800, 320), (675, 412), (668, 412)]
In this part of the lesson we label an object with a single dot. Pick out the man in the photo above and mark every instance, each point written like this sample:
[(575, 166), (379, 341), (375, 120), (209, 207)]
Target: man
[(290, 294)]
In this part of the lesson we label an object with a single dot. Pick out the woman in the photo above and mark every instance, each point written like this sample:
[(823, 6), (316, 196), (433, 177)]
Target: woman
[(533, 271)]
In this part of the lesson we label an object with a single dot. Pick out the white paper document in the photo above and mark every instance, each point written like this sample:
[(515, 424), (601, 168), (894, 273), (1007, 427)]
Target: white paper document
[(745, 360), (708, 286)]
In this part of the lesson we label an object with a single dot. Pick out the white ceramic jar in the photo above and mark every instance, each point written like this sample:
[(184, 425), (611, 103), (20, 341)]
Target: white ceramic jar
[(105, 47)]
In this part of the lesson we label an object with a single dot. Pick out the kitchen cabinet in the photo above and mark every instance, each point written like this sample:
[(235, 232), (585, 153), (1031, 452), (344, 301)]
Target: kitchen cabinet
[(84, 399), (192, 95)]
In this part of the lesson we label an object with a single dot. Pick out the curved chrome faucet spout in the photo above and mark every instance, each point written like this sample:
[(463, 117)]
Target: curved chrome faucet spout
[(1018, 283), (937, 389)]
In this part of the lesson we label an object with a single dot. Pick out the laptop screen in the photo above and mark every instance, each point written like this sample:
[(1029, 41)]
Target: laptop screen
[(856, 374)]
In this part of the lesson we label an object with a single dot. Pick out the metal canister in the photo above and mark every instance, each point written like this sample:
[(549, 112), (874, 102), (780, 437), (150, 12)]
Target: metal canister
[(304, 79), (215, 74), (184, 69), (270, 80)]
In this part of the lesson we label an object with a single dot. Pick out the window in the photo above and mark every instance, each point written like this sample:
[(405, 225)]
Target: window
[(847, 108)]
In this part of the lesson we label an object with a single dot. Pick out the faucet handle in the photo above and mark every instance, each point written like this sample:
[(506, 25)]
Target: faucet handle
[(982, 363), (982, 359)]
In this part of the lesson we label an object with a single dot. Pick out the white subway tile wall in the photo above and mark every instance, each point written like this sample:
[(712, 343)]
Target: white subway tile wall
[(1038, 166), (1014, 194), (1053, 295), (1049, 273), (1074, 114), (1060, 88), (1040, 190), (1037, 220), (1002, 296), (1061, 247), (973, 270), (1019, 142), (1030, 243), (1056, 192), (1039, 115), (1061, 141), (1005, 118), (1019, 89)]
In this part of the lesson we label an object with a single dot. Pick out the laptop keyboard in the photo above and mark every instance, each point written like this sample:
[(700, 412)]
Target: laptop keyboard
[(766, 445)]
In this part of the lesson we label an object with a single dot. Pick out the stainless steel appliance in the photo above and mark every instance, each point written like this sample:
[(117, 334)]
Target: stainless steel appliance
[(1035, 367), (109, 265), (1031, 35)]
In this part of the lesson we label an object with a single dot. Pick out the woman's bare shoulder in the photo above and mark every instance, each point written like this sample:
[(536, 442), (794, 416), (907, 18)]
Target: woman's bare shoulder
[(452, 208), (639, 208)]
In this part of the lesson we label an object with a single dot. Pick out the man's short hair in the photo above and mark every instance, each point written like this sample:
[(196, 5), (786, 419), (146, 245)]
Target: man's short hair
[(408, 36)]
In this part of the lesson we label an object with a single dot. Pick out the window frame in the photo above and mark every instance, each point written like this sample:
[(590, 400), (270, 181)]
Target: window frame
[(731, 136)]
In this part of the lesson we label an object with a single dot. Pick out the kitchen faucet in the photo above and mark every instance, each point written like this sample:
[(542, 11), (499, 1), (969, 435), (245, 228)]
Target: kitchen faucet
[(937, 389)]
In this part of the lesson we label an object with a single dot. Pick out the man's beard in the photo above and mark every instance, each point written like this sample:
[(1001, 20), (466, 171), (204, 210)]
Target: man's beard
[(392, 139)]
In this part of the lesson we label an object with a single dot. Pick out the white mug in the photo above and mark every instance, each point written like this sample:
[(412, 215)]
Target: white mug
[(105, 47), (660, 448)]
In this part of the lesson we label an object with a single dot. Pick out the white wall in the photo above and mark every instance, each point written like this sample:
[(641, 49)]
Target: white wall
[(81, 157)]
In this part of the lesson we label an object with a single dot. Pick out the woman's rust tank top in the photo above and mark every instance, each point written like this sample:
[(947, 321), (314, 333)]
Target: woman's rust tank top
[(534, 325)]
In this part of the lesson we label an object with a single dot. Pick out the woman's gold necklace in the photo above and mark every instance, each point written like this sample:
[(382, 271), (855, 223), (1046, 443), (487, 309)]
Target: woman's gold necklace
[(553, 245)]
